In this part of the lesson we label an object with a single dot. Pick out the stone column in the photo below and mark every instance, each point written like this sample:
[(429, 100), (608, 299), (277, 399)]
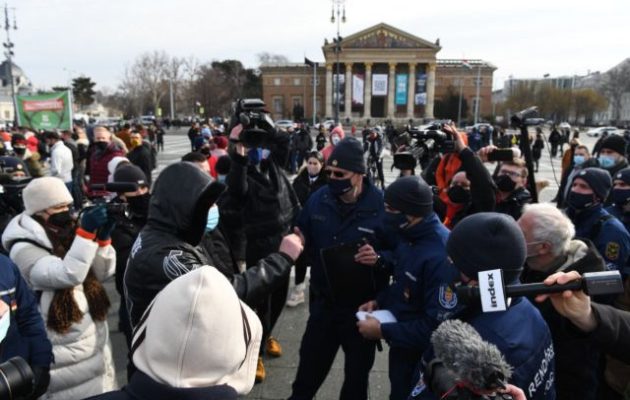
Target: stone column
[(348, 94), (391, 90), (411, 88), (328, 97), (367, 89), (428, 113)]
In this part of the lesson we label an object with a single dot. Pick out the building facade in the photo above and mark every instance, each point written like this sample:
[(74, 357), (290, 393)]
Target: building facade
[(379, 73)]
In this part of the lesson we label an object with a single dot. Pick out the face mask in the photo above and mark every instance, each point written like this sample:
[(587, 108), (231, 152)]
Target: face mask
[(265, 154), (139, 205), (61, 220), (396, 220), (458, 194), (5, 322), (578, 201), (531, 245), (578, 160), (621, 196), (339, 187), (505, 183), (335, 140), (606, 161), (136, 142), (213, 219), (313, 170), (221, 178), (254, 155), (101, 146)]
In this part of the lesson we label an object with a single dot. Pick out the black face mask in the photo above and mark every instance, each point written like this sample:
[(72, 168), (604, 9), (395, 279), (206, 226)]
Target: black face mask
[(339, 187), (101, 146), (139, 205), (62, 225), (458, 194), (505, 183), (579, 201)]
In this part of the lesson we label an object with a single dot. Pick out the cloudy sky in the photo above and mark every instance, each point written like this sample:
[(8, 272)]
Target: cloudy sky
[(59, 39)]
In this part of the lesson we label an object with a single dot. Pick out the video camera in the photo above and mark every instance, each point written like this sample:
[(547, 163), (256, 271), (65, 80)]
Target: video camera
[(423, 145), (16, 379), (256, 122), (116, 210), (526, 117)]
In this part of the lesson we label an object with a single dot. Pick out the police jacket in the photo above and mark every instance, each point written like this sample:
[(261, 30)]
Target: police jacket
[(577, 357), (514, 203), (326, 222), (142, 387), (167, 246), (419, 297), (607, 233), (26, 337)]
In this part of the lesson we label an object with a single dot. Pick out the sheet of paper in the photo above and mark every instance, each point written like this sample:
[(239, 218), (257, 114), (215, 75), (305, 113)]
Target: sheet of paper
[(384, 316)]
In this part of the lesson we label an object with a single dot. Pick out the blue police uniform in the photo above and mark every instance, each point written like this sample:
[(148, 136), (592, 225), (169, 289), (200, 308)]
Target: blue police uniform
[(612, 241), (522, 336), (26, 337), (326, 222), (419, 297)]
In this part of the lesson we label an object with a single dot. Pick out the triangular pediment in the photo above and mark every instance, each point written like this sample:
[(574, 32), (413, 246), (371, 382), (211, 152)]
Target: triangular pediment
[(383, 36)]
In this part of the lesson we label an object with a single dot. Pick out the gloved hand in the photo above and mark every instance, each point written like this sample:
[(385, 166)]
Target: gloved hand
[(41, 379), (105, 231), (94, 218)]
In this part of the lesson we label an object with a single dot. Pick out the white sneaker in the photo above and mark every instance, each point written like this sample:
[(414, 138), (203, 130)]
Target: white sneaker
[(297, 296)]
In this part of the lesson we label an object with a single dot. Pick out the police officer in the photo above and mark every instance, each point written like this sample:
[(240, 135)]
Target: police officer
[(620, 196), (346, 211), (488, 241), (589, 190), (420, 296)]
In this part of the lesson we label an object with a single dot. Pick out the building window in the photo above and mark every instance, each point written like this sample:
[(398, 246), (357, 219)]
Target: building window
[(277, 81), (297, 100), (316, 81), (278, 107), (480, 81), (297, 81)]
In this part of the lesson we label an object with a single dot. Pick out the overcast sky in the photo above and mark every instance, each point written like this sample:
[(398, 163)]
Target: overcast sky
[(59, 39)]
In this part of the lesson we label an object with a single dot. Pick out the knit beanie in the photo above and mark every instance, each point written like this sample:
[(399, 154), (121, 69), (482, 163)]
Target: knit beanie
[(623, 175), (410, 195), (598, 180), (486, 241), (213, 337), (130, 174), (221, 142), (615, 143), (348, 155), (43, 193)]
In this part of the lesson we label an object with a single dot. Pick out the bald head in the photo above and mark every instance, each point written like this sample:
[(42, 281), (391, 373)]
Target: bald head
[(102, 134)]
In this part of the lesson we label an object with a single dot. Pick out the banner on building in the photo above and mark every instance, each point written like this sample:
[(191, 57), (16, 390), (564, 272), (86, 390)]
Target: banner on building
[(339, 92), (401, 89), (421, 89), (379, 85), (45, 111), (358, 89)]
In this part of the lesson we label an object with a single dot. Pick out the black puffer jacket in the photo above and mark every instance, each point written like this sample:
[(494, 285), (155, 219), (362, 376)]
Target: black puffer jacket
[(513, 205), (304, 187), (167, 246)]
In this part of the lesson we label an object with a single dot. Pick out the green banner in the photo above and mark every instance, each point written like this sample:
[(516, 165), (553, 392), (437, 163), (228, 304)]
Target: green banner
[(46, 111)]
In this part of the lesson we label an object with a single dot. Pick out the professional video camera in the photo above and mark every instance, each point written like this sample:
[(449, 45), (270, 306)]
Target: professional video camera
[(114, 209), (526, 117), (257, 124), (424, 144), (16, 379)]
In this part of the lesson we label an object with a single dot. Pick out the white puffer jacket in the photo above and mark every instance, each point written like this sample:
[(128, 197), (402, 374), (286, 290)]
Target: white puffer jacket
[(83, 363)]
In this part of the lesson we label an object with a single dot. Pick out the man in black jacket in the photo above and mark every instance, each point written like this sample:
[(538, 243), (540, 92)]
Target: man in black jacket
[(140, 155), (511, 181), (167, 246)]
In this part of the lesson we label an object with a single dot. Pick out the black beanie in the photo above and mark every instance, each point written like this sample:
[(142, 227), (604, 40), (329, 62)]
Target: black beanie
[(223, 165), (348, 155), (623, 175), (615, 143), (130, 174), (410, 195), (598, 179), (486, 241)]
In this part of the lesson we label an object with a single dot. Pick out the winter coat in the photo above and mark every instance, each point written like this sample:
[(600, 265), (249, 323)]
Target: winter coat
[(26, 337), (303, 141), (140, 156), (514, 203), (83, 361), (577, 357), (61, 163), (613, 172), (613, 331), (303, 186), (97, 165), (320, 139), (537, 149), (167, 245)]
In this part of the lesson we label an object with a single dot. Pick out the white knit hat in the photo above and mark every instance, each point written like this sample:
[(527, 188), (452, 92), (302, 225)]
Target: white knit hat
[(199, 334), (113, 164), (43, 193)]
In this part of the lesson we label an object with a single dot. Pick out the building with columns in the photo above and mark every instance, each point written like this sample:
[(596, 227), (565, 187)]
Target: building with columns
[(380, 73)]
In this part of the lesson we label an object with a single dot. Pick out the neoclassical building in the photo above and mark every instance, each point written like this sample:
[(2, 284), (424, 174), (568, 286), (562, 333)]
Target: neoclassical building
[(383, 73)]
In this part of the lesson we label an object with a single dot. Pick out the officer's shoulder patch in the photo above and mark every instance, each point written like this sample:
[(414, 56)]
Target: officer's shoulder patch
[(447, 297), (612, 250)]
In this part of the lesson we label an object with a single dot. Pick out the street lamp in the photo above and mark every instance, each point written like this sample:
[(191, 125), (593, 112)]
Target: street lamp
[(338, 7), (8, 45)]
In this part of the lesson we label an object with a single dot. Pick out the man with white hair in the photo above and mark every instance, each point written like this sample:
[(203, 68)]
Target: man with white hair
[(551, 247)]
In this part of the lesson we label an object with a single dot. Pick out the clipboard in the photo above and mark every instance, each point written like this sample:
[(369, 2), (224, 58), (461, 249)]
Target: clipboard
[(350, 283)]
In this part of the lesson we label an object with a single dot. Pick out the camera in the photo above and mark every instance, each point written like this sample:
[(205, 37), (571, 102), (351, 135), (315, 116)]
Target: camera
[(16, 379), (114, 209), (257, 124), (423, 145), (525, 117)]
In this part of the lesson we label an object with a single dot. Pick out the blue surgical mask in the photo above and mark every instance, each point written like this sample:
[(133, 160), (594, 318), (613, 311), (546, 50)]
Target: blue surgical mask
[(221, 178), (255, 155), (5, 322), (606, 161), (265, 154), (578, 160), (335, 140), (213, 219)]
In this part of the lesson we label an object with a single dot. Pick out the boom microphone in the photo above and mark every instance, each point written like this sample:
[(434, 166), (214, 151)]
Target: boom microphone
[(493, 292), (118, 187), (475, 363)]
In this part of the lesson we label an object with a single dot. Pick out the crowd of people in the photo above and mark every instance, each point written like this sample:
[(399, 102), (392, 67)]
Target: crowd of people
[(202, 258)]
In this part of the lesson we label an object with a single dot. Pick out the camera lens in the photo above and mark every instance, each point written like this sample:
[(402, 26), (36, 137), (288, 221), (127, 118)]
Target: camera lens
[(16, 379)]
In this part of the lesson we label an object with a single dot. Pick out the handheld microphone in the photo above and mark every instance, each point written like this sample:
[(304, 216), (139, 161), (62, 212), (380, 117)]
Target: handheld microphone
[(492, 291), (475, 363), (119, 187)]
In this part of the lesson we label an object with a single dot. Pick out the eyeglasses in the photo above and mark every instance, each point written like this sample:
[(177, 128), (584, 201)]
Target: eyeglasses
[(511, 174), (336, 174)]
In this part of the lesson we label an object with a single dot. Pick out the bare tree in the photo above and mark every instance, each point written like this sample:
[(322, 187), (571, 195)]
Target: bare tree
[(617, 82)]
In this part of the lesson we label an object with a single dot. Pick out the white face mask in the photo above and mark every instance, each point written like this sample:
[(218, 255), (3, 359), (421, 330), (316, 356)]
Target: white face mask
[(5, 322), (335, 140)]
